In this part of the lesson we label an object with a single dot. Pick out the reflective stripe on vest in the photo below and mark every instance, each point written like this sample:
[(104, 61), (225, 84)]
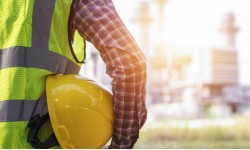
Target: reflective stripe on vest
[(47, 49), (22, 113), (11, 111), (32, 57)]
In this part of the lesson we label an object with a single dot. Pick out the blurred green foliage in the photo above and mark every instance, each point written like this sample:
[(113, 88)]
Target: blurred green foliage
[(236, 135)]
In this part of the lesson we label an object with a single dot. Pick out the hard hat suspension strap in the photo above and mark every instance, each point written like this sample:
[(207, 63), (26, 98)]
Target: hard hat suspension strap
[(35, 124)]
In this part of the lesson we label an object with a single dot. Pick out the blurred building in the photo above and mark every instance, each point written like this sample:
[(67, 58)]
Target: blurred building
[(219, 66), (158, 75)]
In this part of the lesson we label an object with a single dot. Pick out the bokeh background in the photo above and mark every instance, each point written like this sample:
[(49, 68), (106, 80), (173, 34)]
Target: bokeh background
[(198, 52)]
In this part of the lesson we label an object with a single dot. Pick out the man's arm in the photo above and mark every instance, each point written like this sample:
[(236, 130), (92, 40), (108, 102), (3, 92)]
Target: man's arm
[(98, 22)]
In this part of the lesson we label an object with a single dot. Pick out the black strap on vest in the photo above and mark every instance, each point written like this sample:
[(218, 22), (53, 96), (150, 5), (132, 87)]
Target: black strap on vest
[(71, 31), (35, 124)]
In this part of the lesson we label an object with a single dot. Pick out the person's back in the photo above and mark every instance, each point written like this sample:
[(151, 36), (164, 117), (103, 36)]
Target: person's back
[(33, 44)]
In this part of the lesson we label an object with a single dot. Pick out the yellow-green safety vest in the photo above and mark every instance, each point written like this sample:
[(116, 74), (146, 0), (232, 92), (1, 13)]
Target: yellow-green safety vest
[(33, 44)]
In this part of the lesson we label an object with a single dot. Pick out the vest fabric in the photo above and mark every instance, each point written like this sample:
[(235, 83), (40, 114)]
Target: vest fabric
[(33, 45)]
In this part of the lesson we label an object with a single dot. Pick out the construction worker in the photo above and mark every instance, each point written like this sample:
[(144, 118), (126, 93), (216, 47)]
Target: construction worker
[(36, 38)]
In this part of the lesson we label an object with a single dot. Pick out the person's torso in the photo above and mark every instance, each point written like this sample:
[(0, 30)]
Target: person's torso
[(33, 45)]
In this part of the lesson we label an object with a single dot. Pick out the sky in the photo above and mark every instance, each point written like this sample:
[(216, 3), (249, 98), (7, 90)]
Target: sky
[(196, 23)]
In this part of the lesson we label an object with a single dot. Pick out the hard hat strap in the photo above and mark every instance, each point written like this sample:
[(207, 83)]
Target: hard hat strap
[(35, 124)]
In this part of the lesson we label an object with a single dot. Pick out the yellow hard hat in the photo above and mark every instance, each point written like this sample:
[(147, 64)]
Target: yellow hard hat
[(80, 111)]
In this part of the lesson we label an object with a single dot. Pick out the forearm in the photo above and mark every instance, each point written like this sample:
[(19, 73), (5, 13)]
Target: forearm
[(128, 99)]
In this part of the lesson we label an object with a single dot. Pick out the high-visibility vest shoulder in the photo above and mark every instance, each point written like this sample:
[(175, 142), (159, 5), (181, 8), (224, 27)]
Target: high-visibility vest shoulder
[(33, 44)]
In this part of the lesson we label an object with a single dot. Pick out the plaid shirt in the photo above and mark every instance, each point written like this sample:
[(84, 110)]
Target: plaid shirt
[(98, 22)]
